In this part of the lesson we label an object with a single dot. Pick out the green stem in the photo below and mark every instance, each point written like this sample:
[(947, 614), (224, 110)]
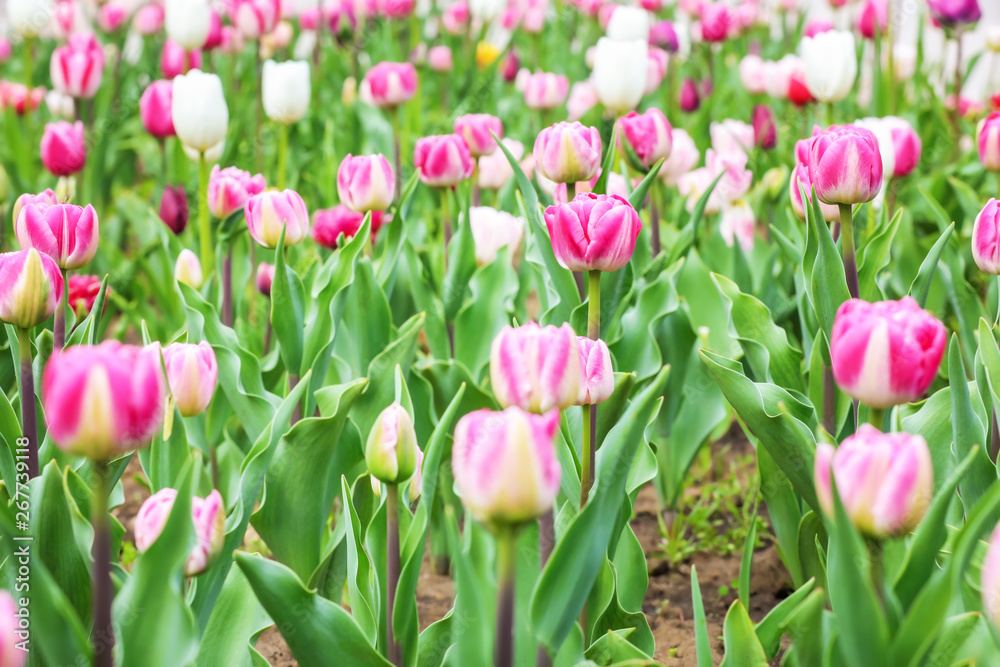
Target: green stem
[(829, 113), (877, 418), (204, 223), (875, 553), (506, 565), (102, 635), (594, 306), (590, 411), (393, 650), (29, 422), (396, 151), (850, 254), (29, 65), (59, 326), (282, 156), (585, 470)]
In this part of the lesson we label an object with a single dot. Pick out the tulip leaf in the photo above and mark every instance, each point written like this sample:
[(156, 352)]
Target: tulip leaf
[(315, 628), (396, 233), (772, 627), (472, 639), (921, 285), (236, 621), (614, 648), (950, 640), (743, 648), (784, 510), (875, 257), (703, 649), (689, 233), (493, 288), (86, 330), (805, 625), (638, 196), (366, 307), (655, 300), (57, 633), (968, 431), (601, 185), (287, 309), (827, 280), (461, 262)]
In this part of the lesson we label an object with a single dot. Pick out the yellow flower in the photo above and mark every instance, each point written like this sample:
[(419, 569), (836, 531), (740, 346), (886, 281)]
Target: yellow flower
[(486, 54)]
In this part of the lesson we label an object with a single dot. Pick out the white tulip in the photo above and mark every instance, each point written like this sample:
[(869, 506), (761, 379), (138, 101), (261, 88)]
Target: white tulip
[(628, 23), (486, 10), (831, 64), (493, 230), (187, 22), (285, 90), (199, 111), (882, 129), (28, 18), (620, 73)]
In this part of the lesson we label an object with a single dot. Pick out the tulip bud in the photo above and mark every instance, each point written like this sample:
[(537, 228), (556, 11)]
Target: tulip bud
[(684, 155), (329, 224), (42, 199), (149, 20), (187, 270), (264, 278), (199, 111), (455, 17), (885, 480), (731, 137), (628, 23), (31, 287), (155, 108), (391, 84), (536, 368), (477, 130), (656, 69), (955, 13), (715, 21), (174, 208), (349, 91), (593, 232), (11, 654), (620, 73), (192, 374), (28, 18), (285, 90), (440, 59), (493, 230), (208, 516), (906, 145), (494, 169), (391, 451), (885, 353), (366, 182), (20, 98), (66, 233), (505, 466), (175, 60), (255, 18), (765, 131), (690, 99), (873, 19), (76, 68), (568, 152), (986, 238), (230, 188), (64, 151), (844, 145), (442, 160), (830, 64), (988, 140), (188, 22), (103, 400), (545, 90), (269, 211), (990, 579), (598, 379), (649, 134), (83, 291)]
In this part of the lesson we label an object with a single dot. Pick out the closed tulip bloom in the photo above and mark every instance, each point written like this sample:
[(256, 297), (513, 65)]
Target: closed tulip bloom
[(478, 129), (955, 13), (906, 146), (176, 60), (442, 160), (536, 368), (765, 130), (330, 223), (885, 480), (656, 69), (738, 224), (990, 579), (174, 210), (103, 400), (800, 175), (715, 22), (582, 98), (873, 19), (885, 353), (731, 136), (112, 15), (845, 165), (568, 152), (64, 151), (199, 111), (66, 233), (986, 238), (830, 65), (188, 22), (818, 26), (208, 516), (20, 98), (988, 141), (684, 155), (628, 23), (690, 98), (545, 90), (83, 291), (620, 73), (264, 278), (187, 270), (155, 108), (752, 74), (391, 84), (192, 374), (455, 17), (10, 654), (149, 20), (28, 18), (77, 66), (391, 450), (505, 465), (31, 287), (649, 134), (598, 381), (494, 170), (493, 230), (593, 232), (255, 18), (271, 210), (366, 182), (439, 59), (42, 199), (285, 90), (230, 188), (664, 35)]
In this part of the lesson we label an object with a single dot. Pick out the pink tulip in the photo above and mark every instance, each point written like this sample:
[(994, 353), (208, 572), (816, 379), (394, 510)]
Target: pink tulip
[(731, 136), (154, 108), (800, 175), (174, 210), (208, 516), (798, 91), (83, 291), (990, 579), (455, 17), (593, 232), (817, 26), (391, 448), (20, 98), (310, 18), (103, 400), (907, 145), (598, 380), (112, 16), (494, 170), (6, 50), (715, 21), (493, 230), (765, 129), (442, 160), (690, 98), (656, 68), (31, 287), (734, 184), (568, 152), (366, 182), (269, 211), (885, 353), (582, 98), (66, 233), (664, 35), (684, 155), (391, 84), (536, 368), (77, 67), (396, 9), (988, 140), (505, 466), (478, 129), (845, 165), (545, 90), (986, 238), (738, 224), (955, 13), (328, 224), (885, 480), (230, 188), (187, 270), (63, 149), (510, 67), (176, 60), (752, 74), (264, 278), (873, 19), (649, 134), (192, 374), (215, 38), (439, 59), (149, 19), (255, 18), (68, 18), (42, 199), (11, 634)]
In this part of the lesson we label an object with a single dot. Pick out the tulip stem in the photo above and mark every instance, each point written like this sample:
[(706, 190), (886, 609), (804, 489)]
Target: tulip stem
[(594, 306), (396, 155), (102, 635), (503, 649), (589, 458), (654, 221), (829, 401), (29, 423), (875, 553), (877, 418), (59, 326), (850, 254), (393, 649), (204, 224), (29, 65), (227, 288), (282, 156)]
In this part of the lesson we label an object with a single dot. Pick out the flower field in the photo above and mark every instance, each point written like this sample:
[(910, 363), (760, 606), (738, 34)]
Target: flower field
[(458, 333)]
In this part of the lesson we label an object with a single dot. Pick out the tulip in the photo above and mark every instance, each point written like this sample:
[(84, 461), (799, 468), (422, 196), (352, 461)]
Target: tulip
[(439, 58), (329, 224), (199, 111), (174, 208), (188, 22), (732, 136), (715, 22), (391, 450), (689, 99), (738, 223), (800, 176), (830, 64), (208, 516), (817, 26), (990, 581), (494, 170), (112, 15), (366, 182), (149, 19), (684, 155), (442, 160), (765, 131), (986, 238), (42, 199), (988, 141), (77, 67), (664, 35), (264, 278), (593, 232), (268, 212), (455, 17), (798, 91), (230, 188), (752, 74), (64, 151), (155, 109), (620, 73), (485, 10), (478, 131), (885, 353), (628, 23), (734, 184), (885, 480), (176, 60), (391, 84), (83, 291), (31, 287), (192, 374), (285, 90), (568, 152), (255, 18), (598, 380), (656, 69), (649, 134), (582, 98), (545, 90), (66, 233), (493, 230), (505, 467), (11, 655), (873, 19), (955, 13), (536, 368), (187, 270), (103, 400), (279, 39), (845, 165)]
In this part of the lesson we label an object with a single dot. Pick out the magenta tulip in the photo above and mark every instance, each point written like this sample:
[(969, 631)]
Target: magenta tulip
[(264, 278), (64, 151), (988, 141), (192, 374), (478, 129), (269, 211), (83, 291), (328, 224), (715, 22), (77, 66), (906, 144), (955, 13), (690, 98), (845, 165), (649, 134), (598, 380), (442, 160), (230, 188), (154, 108), (536, 368), (568, 152), (208, 516), (42, 199), (986, 238), (593, 232), (66, 233), (174, 210), (765, 130), (175, 60), (31, 287), (391, 84)]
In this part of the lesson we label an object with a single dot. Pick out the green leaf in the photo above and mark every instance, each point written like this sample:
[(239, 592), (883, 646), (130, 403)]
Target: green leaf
[(746, 563), (687, 237), (827, 281), (236, 621), (638, 196), (703, 650), (287, 310), (743, 649), (613, 648), (473, 642), (968, 431), (876, 256), (461, 265), (805, 628), (921, 285), (57, 632), (772, 626), (360, 570), (601, 185), (493, 288), (953, 636)]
